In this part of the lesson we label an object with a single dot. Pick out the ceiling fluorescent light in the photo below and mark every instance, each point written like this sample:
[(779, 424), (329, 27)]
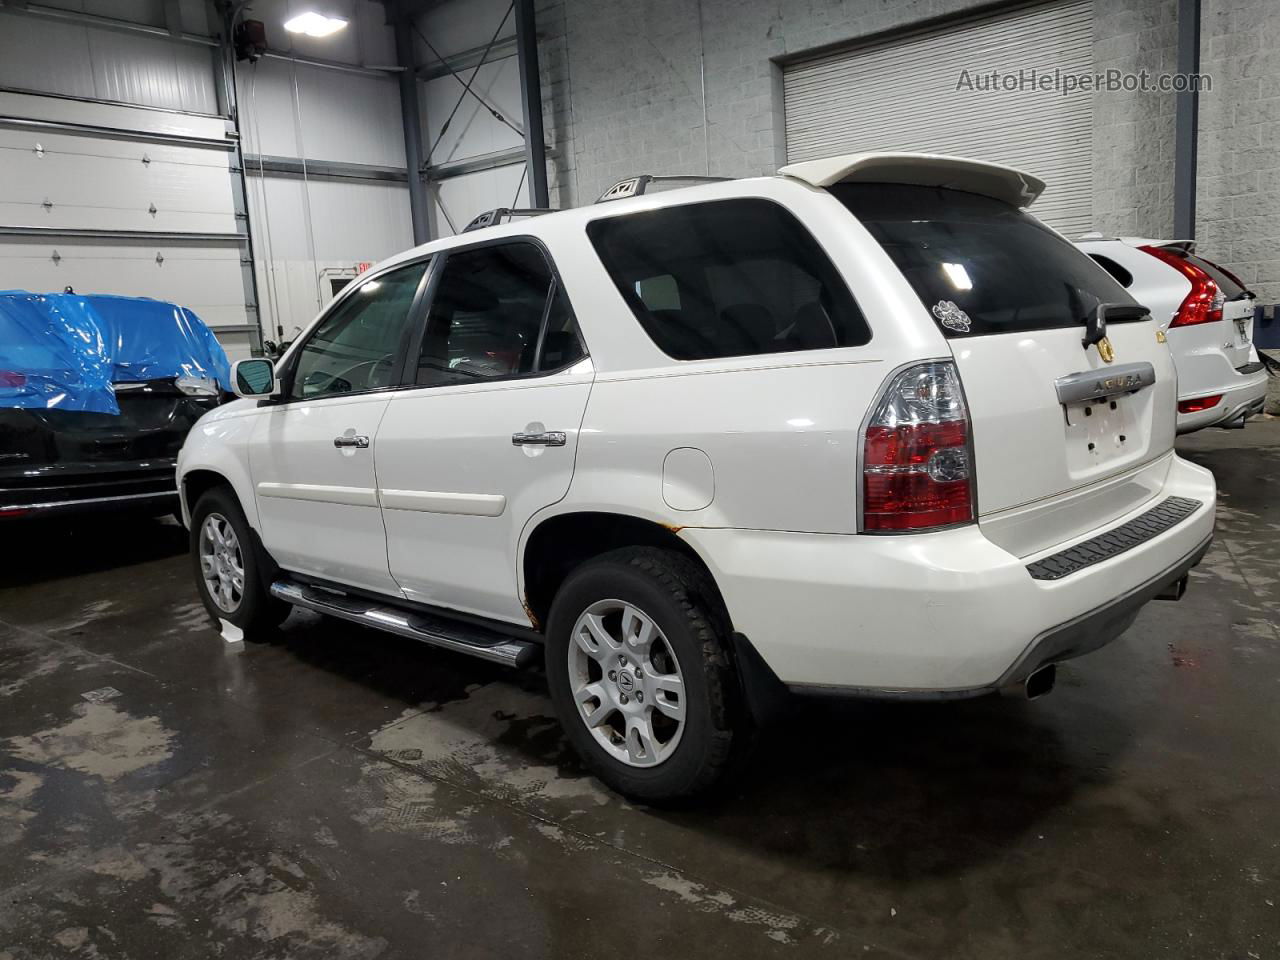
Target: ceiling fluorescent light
[(314, 24)]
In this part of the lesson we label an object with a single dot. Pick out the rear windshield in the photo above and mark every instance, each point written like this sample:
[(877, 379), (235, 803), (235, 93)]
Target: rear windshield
[(727, 278), (981, 266)]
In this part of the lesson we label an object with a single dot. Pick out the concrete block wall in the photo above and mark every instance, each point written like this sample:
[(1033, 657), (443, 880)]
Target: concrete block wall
[(1133, 132), (1238, 189), (623, 79)]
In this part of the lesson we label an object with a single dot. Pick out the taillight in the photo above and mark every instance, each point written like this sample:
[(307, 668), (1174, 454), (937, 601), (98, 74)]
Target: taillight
[(1204, 303), (1199, 403), (11, 378), (917, 472)]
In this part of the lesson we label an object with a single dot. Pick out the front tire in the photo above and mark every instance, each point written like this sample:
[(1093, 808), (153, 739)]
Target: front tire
[(229, 566), (640, 674)]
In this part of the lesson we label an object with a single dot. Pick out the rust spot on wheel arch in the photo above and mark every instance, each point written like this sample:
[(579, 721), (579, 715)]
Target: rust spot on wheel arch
[(528, 612)]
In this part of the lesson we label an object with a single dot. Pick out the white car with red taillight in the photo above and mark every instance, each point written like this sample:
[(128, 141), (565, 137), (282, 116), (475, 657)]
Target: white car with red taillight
[(1207, 314), (865, 427)]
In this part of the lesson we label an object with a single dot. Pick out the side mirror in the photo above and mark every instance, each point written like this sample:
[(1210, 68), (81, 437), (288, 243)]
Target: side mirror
[(254, 378)]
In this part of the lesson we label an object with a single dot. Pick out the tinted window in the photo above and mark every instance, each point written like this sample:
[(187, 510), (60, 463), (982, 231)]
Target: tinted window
[(1121, 275), (727, 278), (560, 345), (980, 265), (357, 345), (487, 316)]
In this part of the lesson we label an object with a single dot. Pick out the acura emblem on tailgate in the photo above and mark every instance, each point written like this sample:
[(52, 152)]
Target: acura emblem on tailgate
[(1095, 384)]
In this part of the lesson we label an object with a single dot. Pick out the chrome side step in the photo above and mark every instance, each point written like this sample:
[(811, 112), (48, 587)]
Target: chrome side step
[(466, 638)]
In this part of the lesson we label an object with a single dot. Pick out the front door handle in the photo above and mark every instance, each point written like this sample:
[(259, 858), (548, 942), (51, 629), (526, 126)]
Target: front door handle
[(360, 443), (548, 438)]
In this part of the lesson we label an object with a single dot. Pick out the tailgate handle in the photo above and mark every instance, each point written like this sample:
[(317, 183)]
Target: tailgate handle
[(1100, 384)]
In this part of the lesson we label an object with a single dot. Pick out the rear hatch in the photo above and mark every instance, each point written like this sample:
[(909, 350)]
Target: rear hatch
[(1067, 436)]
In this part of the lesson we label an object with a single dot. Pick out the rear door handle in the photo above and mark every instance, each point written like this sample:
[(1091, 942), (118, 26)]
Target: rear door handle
[(361, 443), (548, 438)]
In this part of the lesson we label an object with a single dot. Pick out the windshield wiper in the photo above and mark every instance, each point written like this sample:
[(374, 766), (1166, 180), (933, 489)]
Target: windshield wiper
[(1096, 322)]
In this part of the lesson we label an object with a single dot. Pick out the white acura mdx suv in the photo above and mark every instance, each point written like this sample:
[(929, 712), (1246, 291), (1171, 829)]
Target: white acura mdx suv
[(1207, 315), (866, 427)]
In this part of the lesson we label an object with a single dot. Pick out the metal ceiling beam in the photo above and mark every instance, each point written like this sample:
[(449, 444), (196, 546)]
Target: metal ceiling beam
[(531, 102), (141, 236), (502, 48), (1186, 123), (411, 120), (387, 71), (255, 164), (118, 133), (486, 161)]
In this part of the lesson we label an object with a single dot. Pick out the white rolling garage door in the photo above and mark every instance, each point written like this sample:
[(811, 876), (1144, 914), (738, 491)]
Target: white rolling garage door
[(902, 95), (124, 200)]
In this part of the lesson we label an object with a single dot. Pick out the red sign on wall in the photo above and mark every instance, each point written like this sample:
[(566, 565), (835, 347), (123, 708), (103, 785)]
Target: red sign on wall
[(363, 266)]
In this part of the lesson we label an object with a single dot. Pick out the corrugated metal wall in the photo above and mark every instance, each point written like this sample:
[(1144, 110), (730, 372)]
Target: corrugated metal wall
[(909, 94), (305, 231), (77, 59), (123, 181)]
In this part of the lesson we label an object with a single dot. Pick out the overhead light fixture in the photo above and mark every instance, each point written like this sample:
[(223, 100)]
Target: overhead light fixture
[(314, 24)]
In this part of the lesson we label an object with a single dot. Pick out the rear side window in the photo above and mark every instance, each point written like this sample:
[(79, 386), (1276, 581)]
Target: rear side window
[(1122, 276), (727, 278), (487, 318), (979, 265)]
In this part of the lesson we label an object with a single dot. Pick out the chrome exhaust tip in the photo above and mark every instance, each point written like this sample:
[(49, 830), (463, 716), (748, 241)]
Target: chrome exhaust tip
[(1041, 682), (1035, 686), (1174, 590)]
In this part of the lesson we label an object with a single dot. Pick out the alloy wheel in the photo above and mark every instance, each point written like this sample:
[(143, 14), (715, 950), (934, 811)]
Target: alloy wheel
[(626, 682), (221, 563)]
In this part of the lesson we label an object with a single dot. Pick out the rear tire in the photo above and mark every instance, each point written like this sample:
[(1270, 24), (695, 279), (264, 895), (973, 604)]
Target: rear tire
[(640, 674), (229, 566)]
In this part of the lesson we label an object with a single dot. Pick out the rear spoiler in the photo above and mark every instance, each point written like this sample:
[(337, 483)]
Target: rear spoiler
[(924, 170)]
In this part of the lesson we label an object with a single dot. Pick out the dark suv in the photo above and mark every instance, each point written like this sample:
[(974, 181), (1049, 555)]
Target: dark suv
[(96, 397)]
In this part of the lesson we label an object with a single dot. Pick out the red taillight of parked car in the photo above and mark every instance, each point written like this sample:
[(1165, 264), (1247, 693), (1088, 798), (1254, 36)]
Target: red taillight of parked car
[(917, 471), (1204, 303), (11, 378), (1197, 404)]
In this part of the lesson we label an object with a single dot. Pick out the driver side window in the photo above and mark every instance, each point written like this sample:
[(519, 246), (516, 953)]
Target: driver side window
[(356, 347)]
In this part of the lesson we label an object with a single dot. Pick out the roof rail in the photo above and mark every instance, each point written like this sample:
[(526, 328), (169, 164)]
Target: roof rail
[(635, 186), (491, 218)]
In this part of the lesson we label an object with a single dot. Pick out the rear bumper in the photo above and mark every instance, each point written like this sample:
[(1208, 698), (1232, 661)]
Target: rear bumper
[(938, 615), (1096, 628), (150, 486), (1244, 392)]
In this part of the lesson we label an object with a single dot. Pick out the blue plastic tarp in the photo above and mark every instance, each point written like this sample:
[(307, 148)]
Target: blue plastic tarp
[(64, 350)]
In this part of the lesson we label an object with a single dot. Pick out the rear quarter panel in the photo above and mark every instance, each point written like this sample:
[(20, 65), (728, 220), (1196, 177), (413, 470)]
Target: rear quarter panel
[(782, 431)]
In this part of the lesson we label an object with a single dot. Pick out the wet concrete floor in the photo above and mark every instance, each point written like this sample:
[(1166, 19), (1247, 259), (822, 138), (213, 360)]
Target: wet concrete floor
[(340, 793)]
